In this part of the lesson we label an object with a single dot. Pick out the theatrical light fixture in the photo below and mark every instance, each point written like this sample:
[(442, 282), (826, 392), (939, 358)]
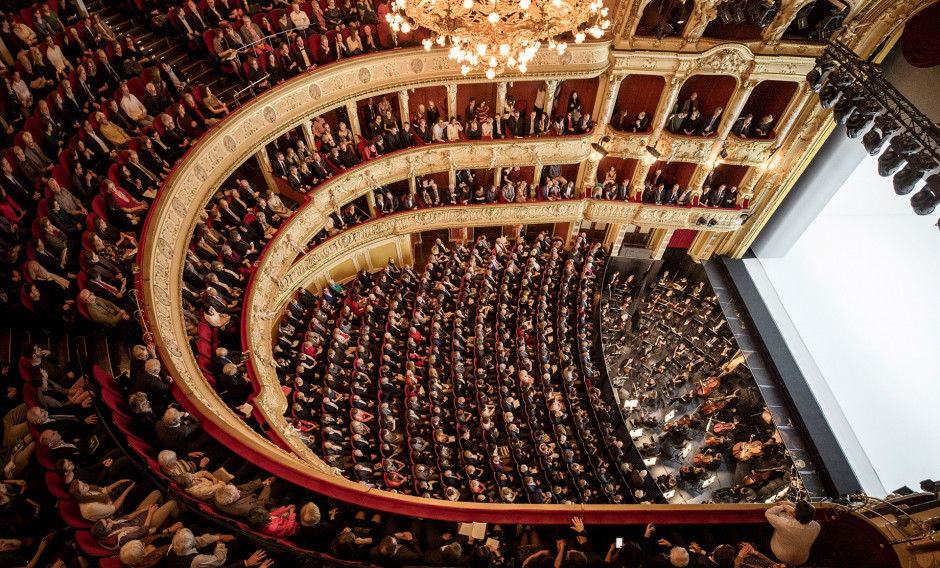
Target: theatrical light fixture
[(875, 138), (927, 199), (838, 80), (851, 97), (494, 37), (917, 166), (899, 149), (818, 74), (862, 119), (724, 151), (652, 151), (599, 151)]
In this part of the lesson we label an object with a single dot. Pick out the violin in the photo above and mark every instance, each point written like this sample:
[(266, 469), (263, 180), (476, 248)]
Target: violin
[(724, 427), (708, 386), (715, 405), (744, 451)]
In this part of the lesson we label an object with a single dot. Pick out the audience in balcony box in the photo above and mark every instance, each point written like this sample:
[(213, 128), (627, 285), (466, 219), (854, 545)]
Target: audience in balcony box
[(709, 124), (743, 126), (763, 128)]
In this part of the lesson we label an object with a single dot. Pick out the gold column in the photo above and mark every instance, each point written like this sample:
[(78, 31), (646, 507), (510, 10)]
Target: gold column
[(730, 113), (604, 107), (587, 175), (613, 238), (497, 176), (666, 101), (403, 106), (771, 34), (659, 239), (265, 165), (370, 199), (703, 245), (353, 111), (705, 11), (306, 127), (500, 103)]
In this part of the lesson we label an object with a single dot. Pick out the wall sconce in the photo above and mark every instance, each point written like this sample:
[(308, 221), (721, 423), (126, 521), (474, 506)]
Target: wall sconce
[(598, 150)]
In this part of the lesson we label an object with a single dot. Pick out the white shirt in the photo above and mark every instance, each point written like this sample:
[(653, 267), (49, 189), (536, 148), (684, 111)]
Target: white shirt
[(133, 107), (300, 19), (453, 132), (56, 57), (438, 133), (792, 540)]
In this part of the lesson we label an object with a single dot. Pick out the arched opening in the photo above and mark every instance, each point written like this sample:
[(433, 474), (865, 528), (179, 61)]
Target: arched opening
[(638, 94), (587, 93), (370, 110), (616, 170), (742, 20), (704, 94), (768, 98), (664, 18), (422, 96)]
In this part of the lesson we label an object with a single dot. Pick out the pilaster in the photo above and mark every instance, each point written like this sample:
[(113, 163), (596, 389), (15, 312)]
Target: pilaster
[(353, 111), (403, 106), (659, 240), (703, 245), (264, 164), (452, 100)]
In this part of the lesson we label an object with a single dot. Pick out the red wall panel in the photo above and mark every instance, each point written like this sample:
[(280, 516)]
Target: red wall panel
[(713, 91), (769, 97), (639, 93)]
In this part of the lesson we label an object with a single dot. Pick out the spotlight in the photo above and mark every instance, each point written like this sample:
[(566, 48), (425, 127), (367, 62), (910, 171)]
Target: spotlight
[(863, 118), (851, 97), (763, 13), (652, 151), (917, 165), (599, 151), (874, 139), (712, 222), (818, 74), (662, 30), (724, 151), (901, 147), (725, 13), (702, 221), (926, 200), (838, 79), (802, 17)]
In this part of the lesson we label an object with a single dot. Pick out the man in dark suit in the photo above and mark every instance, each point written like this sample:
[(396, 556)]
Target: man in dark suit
[(279, 166), (370, 111), (657, 178), (407, 136), (393, 139), (212, 14), (531, 125), (148, 380), (293, 178), (717, 196), (512, 124), (672, 198), (319, 167), (710, 123), (176, 429)]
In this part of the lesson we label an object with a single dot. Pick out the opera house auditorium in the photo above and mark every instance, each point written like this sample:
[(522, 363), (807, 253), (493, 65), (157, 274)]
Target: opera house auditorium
[(485, 283)]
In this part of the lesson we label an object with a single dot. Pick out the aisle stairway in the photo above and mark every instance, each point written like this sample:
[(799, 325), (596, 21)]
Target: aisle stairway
[(164, 48)]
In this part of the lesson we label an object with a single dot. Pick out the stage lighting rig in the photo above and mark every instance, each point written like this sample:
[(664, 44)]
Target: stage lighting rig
[(852, 96), (917, 166), (899, 149), (927, 199), (837, 81), (875, 139), (817, 75), (864, 100), (862, 119)]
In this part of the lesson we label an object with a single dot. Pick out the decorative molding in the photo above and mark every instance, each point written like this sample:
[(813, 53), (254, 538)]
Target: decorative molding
[(734, 59)]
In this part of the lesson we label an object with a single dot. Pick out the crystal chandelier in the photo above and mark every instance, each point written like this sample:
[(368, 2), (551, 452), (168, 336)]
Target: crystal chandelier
[(497, 35)]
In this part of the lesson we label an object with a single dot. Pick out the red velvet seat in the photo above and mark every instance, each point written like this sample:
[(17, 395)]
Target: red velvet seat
[(72, 515)]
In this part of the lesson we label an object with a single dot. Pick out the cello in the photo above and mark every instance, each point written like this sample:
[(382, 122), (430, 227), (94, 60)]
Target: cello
[(708, 386), (714, 405), (743, 451)]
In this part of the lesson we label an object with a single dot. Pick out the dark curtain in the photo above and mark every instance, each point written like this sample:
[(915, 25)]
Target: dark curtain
[(920, 41)]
